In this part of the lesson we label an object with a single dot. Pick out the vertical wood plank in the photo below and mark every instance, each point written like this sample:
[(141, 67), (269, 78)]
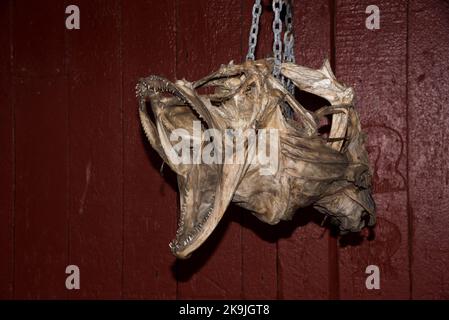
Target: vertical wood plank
[(304, 262), (7, 154), (373, 62), (208, 35), (428, 66), (150, 201), (95, 149), (40, 95), (259, 253)]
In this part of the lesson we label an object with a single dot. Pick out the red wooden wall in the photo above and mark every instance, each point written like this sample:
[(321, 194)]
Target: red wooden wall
[(80, 185)]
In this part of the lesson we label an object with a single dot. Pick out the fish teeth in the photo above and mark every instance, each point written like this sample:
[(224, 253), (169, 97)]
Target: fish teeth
[(174, 245)]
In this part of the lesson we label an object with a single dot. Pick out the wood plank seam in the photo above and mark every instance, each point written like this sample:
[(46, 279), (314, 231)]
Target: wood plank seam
[(334, 278), (12, 87), (407, 162), (123, 129)]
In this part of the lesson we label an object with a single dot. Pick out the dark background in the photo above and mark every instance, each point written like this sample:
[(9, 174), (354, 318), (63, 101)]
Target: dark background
[(79, 184)]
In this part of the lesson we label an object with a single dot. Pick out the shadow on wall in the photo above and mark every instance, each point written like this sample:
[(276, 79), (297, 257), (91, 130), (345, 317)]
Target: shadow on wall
[(183, 270)]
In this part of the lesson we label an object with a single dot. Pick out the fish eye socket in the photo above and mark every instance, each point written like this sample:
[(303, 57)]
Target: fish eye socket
[(250, 88), (216, 103)]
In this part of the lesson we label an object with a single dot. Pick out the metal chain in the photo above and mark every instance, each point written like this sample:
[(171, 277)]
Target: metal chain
[(277, 44), (289, 39), (288, 55), (289, 42), (282, 51), (254, 31)]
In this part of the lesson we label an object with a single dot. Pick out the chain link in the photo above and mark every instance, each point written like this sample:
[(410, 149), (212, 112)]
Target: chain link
[(277, 44), (254, 31), (283, 51), (289, 41)]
